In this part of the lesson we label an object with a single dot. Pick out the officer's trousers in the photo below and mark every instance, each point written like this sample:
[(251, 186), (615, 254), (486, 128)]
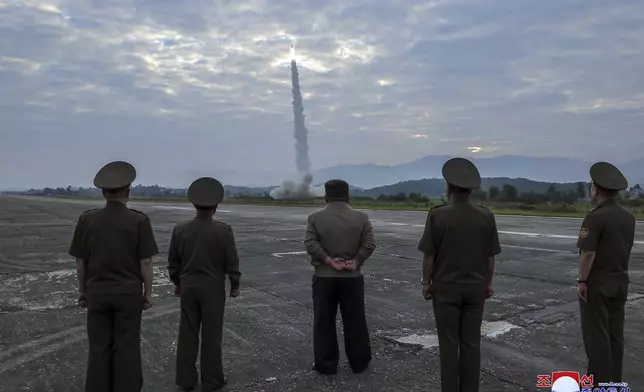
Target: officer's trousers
[(458, 310), (202, 306), (602, 324), (114, 332), (348, 293)]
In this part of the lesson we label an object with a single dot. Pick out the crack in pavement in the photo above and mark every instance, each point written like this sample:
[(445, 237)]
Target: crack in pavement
[(9, 361), (27, 352), (393, 341)]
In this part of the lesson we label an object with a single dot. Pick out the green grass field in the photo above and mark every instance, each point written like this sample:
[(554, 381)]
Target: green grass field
[(568, 211)]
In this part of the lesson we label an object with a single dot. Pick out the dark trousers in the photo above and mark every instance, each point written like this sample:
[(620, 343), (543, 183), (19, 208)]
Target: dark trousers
[(602, 324), (328, 293), (202, 306), (458, 311), (114, 332)]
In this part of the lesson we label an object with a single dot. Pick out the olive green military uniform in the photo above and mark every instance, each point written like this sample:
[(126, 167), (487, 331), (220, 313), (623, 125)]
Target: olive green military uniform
[(461, 237), (609, 231), (202, 252), (112, 241)]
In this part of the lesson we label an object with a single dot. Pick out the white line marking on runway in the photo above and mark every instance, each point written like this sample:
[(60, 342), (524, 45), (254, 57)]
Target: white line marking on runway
[(525, 234), (282, 254), (78, 336), (490, 329), (172, 208), (517, 233), (538, 249), (182, 208), (8, 352), (34, 224), (540, 217), (571, 237)]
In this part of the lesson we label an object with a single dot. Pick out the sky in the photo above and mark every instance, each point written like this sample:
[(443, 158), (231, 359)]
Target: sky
[(188, 88)]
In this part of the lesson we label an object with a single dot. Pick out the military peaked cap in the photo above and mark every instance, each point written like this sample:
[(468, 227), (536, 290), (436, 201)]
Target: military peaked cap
[(115, 175), (461, 173), (206, 192), (608, 177)]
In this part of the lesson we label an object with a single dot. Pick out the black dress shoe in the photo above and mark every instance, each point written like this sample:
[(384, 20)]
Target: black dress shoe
[(219, 388), (325, 371), (359, 368)]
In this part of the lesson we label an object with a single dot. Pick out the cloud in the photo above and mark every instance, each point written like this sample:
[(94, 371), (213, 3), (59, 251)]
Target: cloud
[(206, 87)]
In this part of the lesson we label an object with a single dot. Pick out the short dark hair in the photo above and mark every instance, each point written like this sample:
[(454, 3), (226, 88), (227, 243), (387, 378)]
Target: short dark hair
[(203, 208), (115, 192), (606, 192), (336, 190), (457, 190)]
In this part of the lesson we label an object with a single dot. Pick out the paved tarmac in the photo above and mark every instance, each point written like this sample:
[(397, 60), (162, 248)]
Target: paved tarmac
[(531, 324)]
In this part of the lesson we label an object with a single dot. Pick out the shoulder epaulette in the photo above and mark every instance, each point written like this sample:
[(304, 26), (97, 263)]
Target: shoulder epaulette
[(139, 212), (86, 214), (483, 207), (596, 208), (437, 206), (223, 223)]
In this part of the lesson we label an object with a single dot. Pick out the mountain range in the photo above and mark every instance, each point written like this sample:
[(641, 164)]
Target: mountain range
[(368, 176), (432, 187), (557, 170)]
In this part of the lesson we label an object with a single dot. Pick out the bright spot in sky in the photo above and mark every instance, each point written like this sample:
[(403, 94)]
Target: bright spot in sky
[(385, 82)]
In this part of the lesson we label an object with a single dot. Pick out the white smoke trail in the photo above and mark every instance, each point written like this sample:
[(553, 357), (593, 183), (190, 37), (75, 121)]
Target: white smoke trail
[(301, 191), (290, 189)]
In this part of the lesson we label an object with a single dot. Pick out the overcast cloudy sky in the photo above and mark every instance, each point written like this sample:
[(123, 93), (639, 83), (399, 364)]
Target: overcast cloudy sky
[(184, 88)]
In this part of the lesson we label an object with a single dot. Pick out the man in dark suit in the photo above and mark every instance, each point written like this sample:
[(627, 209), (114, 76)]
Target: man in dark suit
[(339, 240)]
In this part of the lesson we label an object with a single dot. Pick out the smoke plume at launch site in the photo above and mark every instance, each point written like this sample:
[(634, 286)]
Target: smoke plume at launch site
[(303, 189)]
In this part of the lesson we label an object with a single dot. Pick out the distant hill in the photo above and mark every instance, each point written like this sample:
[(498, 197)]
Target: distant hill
[(433, 187), (553, 170)]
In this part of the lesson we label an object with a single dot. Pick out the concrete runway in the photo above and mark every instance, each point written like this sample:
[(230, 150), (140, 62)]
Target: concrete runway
[(531, 324)]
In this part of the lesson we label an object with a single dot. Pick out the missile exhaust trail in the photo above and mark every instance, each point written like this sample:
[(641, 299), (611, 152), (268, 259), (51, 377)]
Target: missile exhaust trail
[(289, 189)]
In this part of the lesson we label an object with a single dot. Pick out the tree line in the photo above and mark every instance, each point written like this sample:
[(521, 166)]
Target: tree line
[(137, 191), (509, 193), (142, 191), (505, 193)]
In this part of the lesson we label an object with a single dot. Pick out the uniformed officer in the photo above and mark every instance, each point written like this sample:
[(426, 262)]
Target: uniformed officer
[(459, 244), (113, 247), (339, 240), (605, 242), (202, 252)]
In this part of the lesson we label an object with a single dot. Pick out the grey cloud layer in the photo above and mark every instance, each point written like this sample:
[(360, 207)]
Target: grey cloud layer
[(206, 87)]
